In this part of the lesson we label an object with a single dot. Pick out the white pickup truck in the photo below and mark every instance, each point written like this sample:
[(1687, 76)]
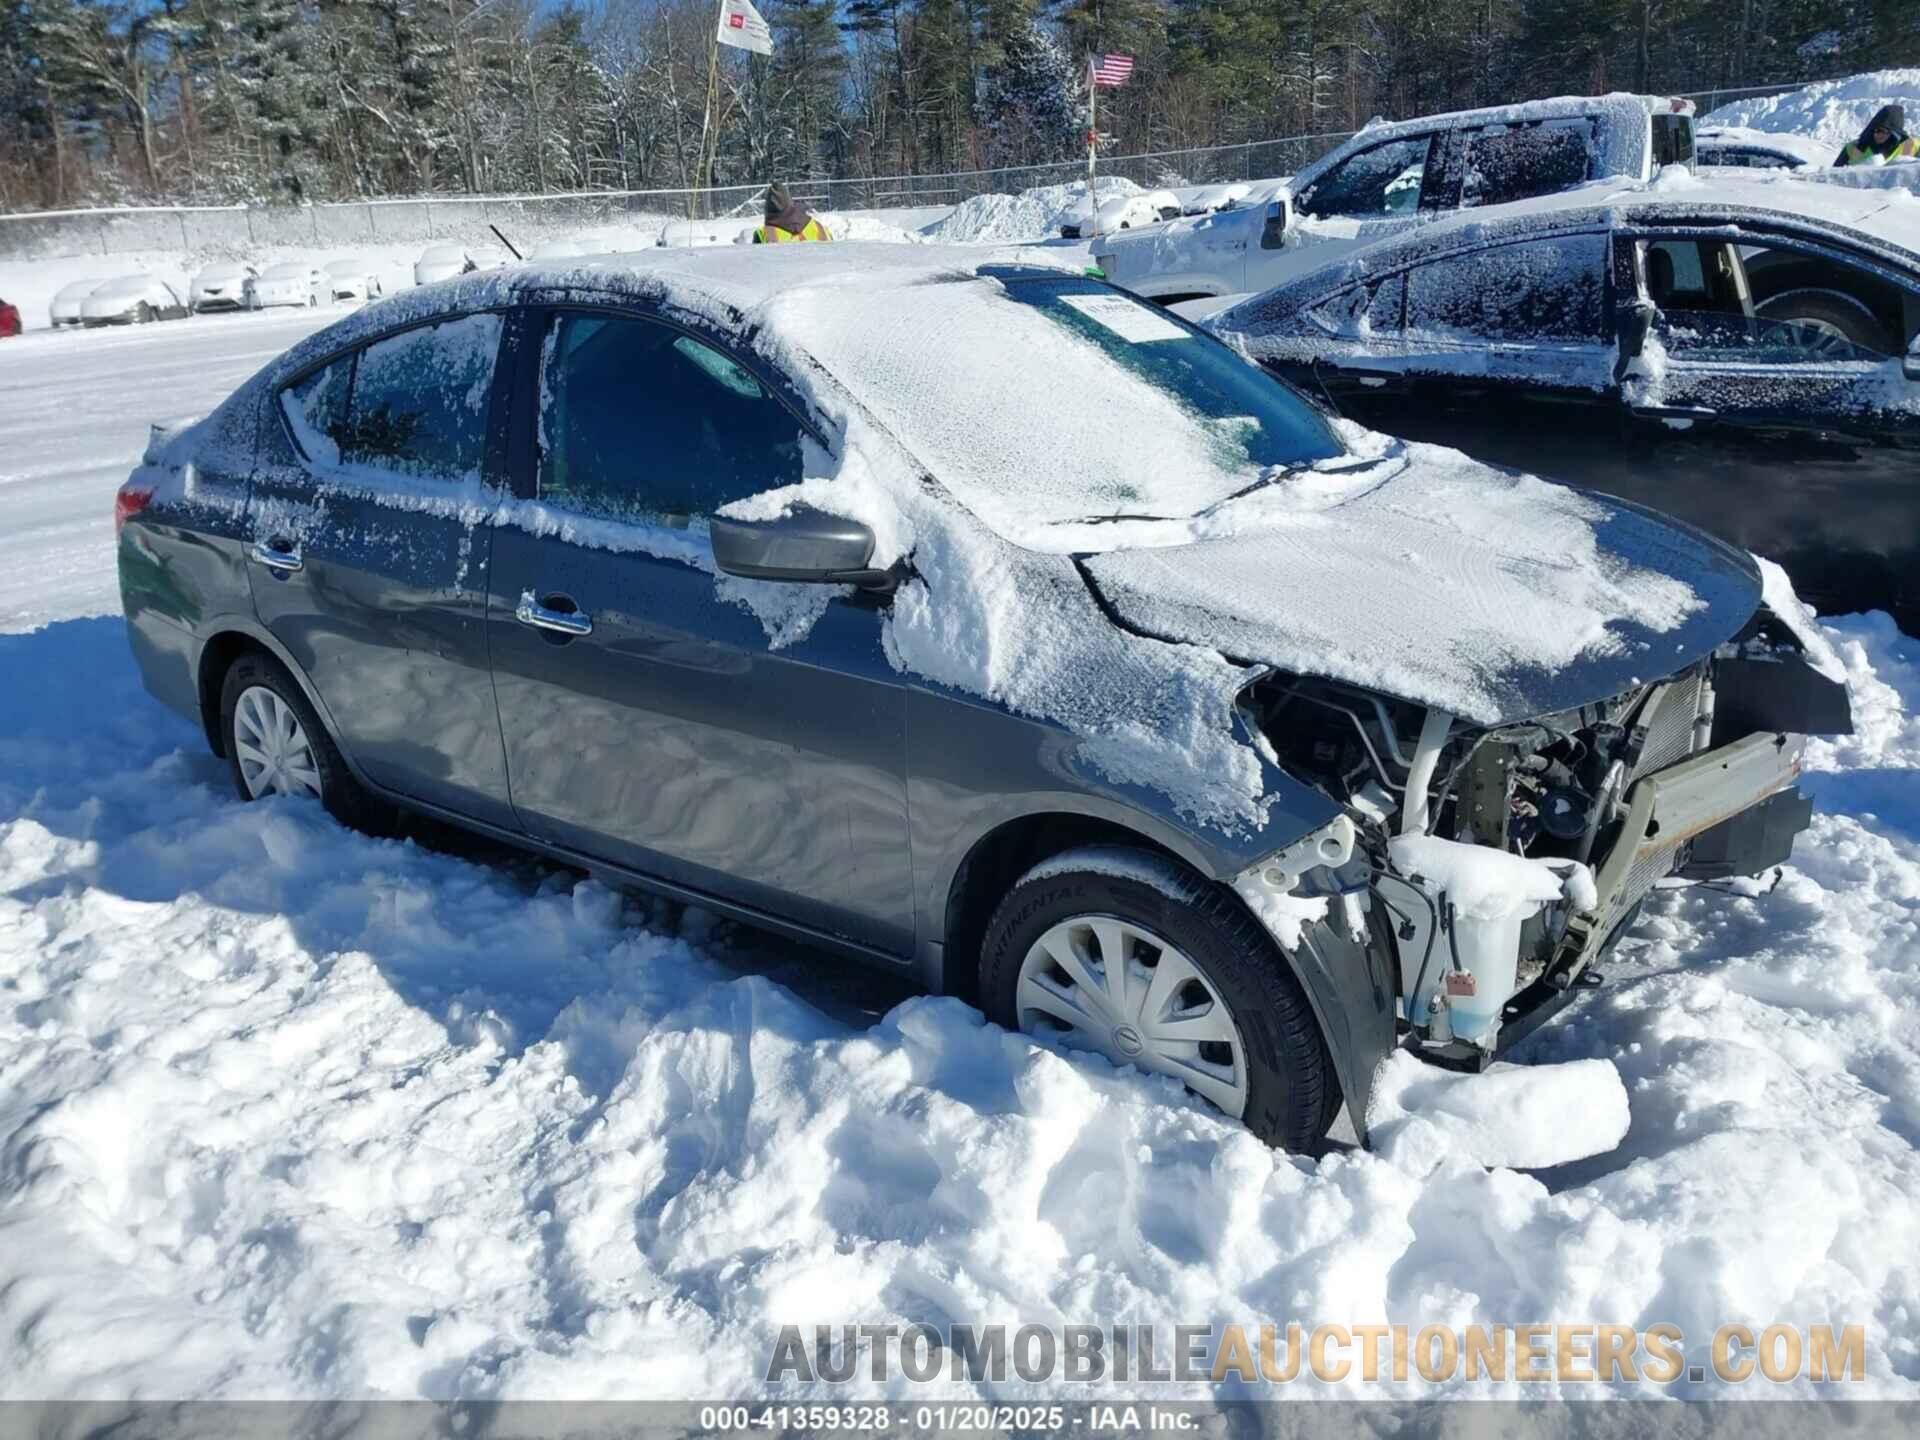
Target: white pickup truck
[(1393, 176)]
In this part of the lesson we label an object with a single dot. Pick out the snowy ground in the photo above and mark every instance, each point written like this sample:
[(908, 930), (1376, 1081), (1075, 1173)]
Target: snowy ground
[(285, 1111)]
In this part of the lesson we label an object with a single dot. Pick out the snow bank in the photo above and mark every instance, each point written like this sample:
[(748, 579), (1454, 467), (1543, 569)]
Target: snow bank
[(1526, 1117), (1031, 215), (1831, 111)]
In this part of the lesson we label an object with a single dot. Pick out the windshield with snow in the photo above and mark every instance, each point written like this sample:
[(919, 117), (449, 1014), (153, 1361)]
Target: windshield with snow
[(1044, 400)]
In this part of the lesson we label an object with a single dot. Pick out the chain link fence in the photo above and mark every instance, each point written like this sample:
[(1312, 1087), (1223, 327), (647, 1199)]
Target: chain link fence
[(532, 217)]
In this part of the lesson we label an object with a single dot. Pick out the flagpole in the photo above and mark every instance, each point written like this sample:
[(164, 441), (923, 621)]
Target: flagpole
[(1093, 136), (700, 163)]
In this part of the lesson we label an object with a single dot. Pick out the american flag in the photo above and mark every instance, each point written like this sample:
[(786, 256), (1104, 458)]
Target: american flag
[(1112, 70)]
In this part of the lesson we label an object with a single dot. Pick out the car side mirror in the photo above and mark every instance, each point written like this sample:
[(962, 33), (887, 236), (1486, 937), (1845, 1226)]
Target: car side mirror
[(805, 545), (1912, 363), (1273, 232)]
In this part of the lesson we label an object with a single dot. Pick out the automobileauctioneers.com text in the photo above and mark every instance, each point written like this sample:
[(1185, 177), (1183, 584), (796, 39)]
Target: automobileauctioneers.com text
[(1277, 1355)]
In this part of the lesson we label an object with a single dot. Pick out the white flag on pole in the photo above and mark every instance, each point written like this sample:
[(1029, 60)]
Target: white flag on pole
[(742, 27)]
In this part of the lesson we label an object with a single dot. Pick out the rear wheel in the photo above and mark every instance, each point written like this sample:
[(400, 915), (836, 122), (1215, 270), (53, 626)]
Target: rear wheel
[(276, 745), (1135, 957), (144, 315)]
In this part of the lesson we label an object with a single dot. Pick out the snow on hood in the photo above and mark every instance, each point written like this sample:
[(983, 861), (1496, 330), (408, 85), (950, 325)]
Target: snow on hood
[(1439, 580)]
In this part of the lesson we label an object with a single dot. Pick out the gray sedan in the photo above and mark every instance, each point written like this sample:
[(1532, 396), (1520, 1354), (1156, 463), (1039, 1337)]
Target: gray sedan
[(987, 625)]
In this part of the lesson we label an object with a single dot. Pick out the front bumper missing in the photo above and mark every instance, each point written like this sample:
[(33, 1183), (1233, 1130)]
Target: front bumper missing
[(1664, 811), (1358, 947)]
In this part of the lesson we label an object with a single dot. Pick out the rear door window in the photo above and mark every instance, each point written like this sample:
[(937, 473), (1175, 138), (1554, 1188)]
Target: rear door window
[(1518, 161), (419, 404), (641, 422), (1536, 290)]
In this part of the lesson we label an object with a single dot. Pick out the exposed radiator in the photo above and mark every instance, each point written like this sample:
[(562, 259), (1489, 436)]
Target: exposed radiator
[(1669, 717)]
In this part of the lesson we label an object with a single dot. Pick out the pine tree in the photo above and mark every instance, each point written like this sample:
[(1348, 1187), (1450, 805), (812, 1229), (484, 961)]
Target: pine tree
[(1030, 105)]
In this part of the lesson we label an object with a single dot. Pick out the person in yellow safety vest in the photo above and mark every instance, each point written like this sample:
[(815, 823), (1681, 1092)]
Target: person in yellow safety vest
[(787, 219), (1884, 141)]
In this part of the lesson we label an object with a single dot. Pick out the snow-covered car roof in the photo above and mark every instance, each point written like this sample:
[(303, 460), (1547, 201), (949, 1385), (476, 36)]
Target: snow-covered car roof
[(721, 283), (444, 252), (223, 269), (125, 285), (347, 265), (1803, 148), (78, 289), (288, 270)]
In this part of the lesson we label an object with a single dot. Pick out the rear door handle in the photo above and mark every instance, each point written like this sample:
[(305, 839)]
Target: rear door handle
[(564, 622), (277, 554)]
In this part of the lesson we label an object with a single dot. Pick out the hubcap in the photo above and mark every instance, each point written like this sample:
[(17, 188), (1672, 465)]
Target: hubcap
[(1107, 985), (276, 758)]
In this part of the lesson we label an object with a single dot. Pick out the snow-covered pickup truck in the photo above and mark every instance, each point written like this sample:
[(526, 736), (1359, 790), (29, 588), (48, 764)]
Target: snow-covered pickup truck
[(1391, 177)]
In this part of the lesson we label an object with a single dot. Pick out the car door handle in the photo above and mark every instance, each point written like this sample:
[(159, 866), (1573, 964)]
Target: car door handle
[(564, 622), (277, 554)]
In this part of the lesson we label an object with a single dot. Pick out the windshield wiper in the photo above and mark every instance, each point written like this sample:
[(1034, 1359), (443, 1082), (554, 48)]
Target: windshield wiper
[(1108, 519)]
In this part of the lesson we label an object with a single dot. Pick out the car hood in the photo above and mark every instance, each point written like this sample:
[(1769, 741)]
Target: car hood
[(1420, 574)]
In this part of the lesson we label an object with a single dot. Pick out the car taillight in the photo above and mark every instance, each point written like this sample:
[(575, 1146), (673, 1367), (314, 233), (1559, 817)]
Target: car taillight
[(129, 500)]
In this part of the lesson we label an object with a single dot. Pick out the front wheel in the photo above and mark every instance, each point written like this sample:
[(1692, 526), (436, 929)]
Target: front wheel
[(277, 745), (1828, 322), (1138, 958), (144, 315)]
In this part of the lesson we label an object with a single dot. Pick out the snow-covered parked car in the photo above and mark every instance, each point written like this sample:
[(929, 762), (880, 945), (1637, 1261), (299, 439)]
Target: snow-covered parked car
[(1122, 710), (719, 230), (10, 325), (1118, 212), (1205, 199), (1394, 177), (291, 282), (1744, 353), (1734, 147), (564, 248), (64, 308), (352, 277), (132, 300), (443, 262), (220, 286)]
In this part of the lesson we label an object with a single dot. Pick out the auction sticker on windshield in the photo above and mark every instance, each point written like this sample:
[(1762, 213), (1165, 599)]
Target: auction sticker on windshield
[(1129, 319)]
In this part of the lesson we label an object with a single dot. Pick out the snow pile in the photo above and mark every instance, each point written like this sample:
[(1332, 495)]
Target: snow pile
[(1831, 111), (1031, 215), (288, 1112), (1521, 1116)]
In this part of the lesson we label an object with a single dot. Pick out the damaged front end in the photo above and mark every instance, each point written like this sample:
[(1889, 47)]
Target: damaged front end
[(1477, 872)]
